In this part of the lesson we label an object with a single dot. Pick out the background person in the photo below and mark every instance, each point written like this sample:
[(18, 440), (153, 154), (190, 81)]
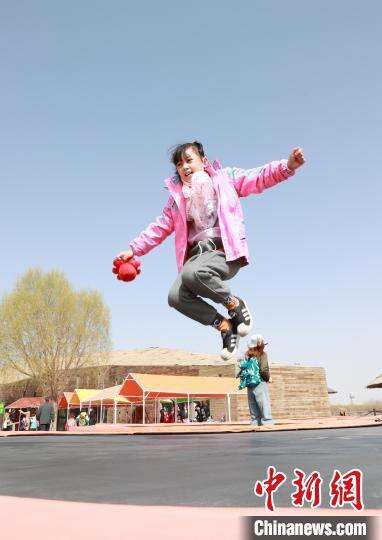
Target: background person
[(7, 422), (71, 423), (82, 419), (45, 415), (92, 417), (254, 375), (33, 422)]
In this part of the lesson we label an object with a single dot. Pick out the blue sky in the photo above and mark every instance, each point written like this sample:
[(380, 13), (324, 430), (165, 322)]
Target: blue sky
[(94, 94)]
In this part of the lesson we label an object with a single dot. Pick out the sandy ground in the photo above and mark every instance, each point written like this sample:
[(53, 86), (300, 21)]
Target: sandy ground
[(37, 519)]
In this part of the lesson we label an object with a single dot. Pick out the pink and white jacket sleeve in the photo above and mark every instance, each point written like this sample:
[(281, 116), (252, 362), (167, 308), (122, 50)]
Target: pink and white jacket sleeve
[(155, 233), (254, 181)]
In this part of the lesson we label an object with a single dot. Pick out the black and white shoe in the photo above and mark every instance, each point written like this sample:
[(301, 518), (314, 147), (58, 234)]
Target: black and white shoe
[(241, 317), (230, 343)]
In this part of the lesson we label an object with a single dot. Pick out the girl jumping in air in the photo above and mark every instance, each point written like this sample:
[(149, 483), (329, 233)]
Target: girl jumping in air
[(205, 213)]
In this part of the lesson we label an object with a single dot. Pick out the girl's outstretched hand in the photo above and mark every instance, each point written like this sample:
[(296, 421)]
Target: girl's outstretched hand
[(296, 159), (125, 255)]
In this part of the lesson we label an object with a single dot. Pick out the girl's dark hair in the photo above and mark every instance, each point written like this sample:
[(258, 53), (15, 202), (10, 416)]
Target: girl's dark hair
[(177, 153)]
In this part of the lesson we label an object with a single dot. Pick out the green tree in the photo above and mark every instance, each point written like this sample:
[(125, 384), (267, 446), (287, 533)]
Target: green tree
[(48, 330)]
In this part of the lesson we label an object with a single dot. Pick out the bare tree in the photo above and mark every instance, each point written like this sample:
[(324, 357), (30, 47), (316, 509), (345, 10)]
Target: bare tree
[(47, 329)]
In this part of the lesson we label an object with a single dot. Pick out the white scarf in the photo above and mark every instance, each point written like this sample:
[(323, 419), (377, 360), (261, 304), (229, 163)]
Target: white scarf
[(201, 200)]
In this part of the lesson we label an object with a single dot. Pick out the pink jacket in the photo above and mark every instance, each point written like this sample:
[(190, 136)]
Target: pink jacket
[(230, 183)]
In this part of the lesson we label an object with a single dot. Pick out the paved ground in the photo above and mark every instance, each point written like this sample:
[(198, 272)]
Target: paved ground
[(188, 470)]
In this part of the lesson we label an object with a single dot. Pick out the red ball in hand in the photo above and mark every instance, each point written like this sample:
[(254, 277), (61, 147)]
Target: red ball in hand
[(116, 265), (136, 264), (126, 271)]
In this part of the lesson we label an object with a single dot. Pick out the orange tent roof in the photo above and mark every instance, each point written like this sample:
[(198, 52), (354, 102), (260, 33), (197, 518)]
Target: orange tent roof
[(168, 386), (64, 400), (82, 394), (108, 396)]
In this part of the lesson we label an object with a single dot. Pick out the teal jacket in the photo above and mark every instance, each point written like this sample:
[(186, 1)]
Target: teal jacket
[(249, 373), (253, 371)]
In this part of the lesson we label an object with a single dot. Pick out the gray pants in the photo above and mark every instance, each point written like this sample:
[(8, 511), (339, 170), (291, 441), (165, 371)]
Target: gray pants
[(203, 275), (44, 427)]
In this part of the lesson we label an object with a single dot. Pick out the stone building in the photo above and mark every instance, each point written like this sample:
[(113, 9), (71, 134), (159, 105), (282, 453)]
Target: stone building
[(296, 391)]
